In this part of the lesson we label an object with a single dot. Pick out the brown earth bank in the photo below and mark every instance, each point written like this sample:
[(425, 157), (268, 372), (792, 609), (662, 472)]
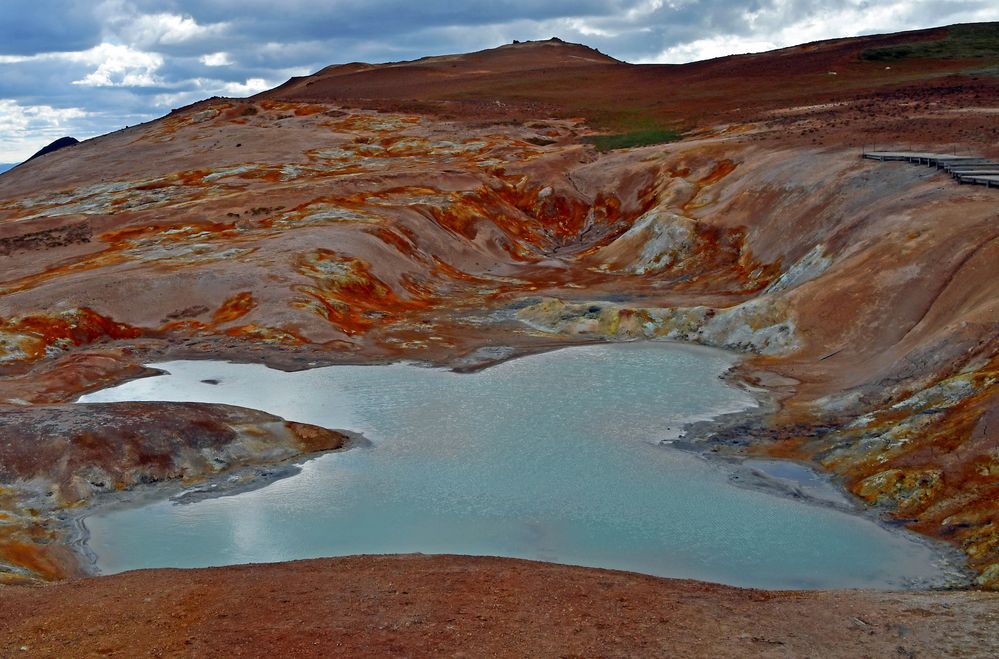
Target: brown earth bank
[(469, 606), (463, 209), (55, 458)]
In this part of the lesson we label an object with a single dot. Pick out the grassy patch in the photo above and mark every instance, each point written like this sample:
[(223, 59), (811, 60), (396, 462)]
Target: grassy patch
[(642, 137), (992, 71), (961, 42)]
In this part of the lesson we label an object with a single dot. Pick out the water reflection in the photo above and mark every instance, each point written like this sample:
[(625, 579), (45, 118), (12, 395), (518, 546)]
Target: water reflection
[(552, 457)]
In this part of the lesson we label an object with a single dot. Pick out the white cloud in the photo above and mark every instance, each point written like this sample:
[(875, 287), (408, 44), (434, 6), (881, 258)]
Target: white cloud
[(201, 88), (24, 129), (587, 29), (124, 23), (118, 66), (251, 86), (216, 59), (780, 24), (17, 59), (166, 29), (179, 99), (702, 49)]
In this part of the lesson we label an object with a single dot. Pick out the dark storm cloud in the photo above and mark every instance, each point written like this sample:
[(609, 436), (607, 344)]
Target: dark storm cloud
[(83, 67), (385, 18), (32, 26)]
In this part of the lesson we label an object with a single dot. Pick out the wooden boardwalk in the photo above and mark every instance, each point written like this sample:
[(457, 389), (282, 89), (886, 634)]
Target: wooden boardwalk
[(965, 169)]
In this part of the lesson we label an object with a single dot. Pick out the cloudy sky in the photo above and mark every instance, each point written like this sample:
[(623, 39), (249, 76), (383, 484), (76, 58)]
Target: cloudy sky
[(86, 67)]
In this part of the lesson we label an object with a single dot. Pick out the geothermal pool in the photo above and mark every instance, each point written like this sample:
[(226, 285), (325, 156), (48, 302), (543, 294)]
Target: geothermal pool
[(555, 457)]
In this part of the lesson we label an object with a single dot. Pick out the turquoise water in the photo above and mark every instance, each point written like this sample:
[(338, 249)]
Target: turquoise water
[(555, 457)]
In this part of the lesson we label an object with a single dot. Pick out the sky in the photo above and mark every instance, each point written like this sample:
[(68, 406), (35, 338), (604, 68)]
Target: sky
[(88, 67)]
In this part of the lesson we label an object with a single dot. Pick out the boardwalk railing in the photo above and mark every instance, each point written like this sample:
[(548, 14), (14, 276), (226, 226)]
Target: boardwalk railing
[(966, 169)]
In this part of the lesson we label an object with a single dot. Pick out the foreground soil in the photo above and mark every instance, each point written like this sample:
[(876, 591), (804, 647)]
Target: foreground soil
[(471, 606)]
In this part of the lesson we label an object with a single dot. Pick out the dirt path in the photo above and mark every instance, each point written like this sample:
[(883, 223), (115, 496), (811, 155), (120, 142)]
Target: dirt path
[(466, 606)]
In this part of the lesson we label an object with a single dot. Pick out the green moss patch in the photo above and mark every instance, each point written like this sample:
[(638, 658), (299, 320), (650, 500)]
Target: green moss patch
[(961, 42), (634, 138)]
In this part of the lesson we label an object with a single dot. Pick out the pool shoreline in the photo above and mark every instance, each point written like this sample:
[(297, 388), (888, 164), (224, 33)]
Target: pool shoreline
[(223, 484), (692, 440)]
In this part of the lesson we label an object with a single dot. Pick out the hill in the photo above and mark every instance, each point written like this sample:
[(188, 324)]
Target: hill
[(854, 90), (461, 210)]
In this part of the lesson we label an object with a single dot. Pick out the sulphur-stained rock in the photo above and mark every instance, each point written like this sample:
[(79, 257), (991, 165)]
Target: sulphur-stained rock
[(810, 266), (905, 488), (32, 546), (929, 457), (80, 450), (34, 336), (62, 378), (659, 240), (989, 578), (762, 326)]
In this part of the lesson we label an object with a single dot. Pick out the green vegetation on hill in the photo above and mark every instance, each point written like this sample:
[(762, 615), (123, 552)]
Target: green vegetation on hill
[(962, 41), (643, 137)]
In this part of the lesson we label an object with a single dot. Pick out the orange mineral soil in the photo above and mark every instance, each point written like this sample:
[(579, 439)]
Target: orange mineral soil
[(430, 209)]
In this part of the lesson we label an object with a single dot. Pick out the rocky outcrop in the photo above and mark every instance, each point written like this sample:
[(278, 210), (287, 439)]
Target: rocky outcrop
[(59, 457), (657, 241), (762, 326), (931, 459)]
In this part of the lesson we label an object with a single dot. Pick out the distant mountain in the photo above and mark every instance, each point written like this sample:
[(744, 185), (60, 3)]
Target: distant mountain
[(60, 143)]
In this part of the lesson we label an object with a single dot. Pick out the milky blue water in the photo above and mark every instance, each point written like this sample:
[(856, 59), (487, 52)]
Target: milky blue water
[(554, 457)]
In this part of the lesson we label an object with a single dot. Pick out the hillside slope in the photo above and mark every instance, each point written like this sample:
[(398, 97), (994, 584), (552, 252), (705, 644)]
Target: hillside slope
[(455, 210), (896, 87)]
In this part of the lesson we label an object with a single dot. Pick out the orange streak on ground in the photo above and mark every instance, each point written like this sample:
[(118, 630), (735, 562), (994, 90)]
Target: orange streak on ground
[(273, 334), (721, 169), (390, 237), (77, 327), (346, 293), (454, 273), (234, 308), (36, 558)]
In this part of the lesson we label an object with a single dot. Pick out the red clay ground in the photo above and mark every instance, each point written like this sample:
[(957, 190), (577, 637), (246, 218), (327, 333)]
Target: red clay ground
[(475, 607)]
